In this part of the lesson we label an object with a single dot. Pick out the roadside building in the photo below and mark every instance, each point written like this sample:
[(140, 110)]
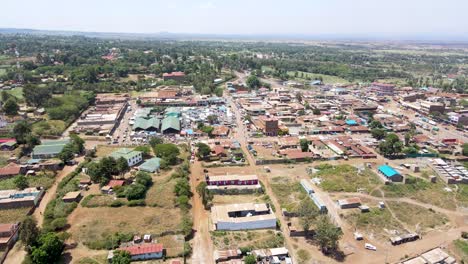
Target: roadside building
[(222, 183), (390, 173), (49, 149), (176, 76), (227, 255), (170, 125), (109, 188), (142, 252), (269, 126), (132, 157), (243, 216), (146, 124), (432, 107), (348, 203), (383, 89)]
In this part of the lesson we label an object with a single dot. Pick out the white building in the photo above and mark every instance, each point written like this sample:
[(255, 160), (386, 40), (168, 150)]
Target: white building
[(243, 216)]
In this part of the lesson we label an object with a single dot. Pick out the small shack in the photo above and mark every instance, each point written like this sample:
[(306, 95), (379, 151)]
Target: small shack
[(72, 197), (390, 173)]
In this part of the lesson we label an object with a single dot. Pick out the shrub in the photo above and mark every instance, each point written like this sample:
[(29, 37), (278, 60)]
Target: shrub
[(58, 224), (136, 203), (117, 203)]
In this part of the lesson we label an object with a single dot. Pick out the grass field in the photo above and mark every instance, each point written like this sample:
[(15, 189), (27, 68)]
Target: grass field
[(40, 180), (374, 222), (327, 79), (417, 217), (461, 246), (240, 198), (253, 239), (103, 150), (161, 193), (288, 192), (13, 215), (424, 191), (17, 92), (346, 178)]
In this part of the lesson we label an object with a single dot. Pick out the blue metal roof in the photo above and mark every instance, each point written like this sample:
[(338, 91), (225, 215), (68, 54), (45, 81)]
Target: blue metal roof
[(351, 122), (388, 171)]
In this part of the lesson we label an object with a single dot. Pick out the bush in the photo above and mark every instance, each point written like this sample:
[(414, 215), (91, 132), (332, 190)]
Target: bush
[(117, 203), (134, 203), (59, 224), (136, 191), (110, 242)]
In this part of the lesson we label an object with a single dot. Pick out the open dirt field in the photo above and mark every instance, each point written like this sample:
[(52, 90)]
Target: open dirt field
[(89, 224)]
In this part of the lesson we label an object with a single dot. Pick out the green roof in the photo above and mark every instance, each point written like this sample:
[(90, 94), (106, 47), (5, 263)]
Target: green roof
[(50, 147), (172, 111), (125, 153), (144, 123), (150, 165), (170, 122)]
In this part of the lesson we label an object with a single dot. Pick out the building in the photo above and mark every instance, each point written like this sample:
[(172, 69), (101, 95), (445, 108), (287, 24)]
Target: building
[(49, 149), (8, 235), (229, 182), (170, 125), (151, 165), (176, 76), (242, 216), (143, 252), (147, 124), (432, 107), (10, 170), (390, 173), (433, 256), (458, 119), (109, 188), (383, 89), (312, 195), (132, 157), (354, 202), (227, 255), (72, 197), (28, 197), (269, 126)]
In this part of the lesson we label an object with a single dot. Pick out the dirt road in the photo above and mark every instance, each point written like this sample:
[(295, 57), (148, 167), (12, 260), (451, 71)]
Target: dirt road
[(50, 194), (202, 243)]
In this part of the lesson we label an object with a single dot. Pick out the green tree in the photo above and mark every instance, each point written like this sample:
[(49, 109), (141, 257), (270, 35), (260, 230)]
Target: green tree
[(304, 145), (10, 107), (465, 149), (250, 259), (122, 165), (21, 182), (168, 152), (253, 82), (203, 150), (155, 141), (66, 154), (135, 192), (327, 234), (121, 257), (21, 130), (206, 195), (29, 233), (378, 133), (49, 250), (144, 179), (391, 146), (77, 143), (36, 95), (307, 214), (316, 111), (375, 124)]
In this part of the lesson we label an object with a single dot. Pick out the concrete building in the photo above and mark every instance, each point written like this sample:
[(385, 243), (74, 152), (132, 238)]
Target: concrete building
[(243, 216), (383, 89), (176, 76), (269, 126), (231, 182), (432, 107), (142, 252), (132, 157), (28, 197), (8, 235), (354, 202)]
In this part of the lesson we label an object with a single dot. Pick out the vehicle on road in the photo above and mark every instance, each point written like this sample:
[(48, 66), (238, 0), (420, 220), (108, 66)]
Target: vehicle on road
[(370, 247)]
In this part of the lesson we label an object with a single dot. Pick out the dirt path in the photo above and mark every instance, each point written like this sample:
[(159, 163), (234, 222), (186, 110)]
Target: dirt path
[(16, 254), (50, 194), (202, 243)]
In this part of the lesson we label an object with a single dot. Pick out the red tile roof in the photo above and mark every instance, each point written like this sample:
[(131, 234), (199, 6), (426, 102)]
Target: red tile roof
[(173, 74), (144, 249), (10, 169), (114, 183), (4, 140)]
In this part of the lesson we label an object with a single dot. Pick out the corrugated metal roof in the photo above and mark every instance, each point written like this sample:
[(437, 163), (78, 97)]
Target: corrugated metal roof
[(170, 122)]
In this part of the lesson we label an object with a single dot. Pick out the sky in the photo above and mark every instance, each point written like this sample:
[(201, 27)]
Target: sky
[(246, 17)]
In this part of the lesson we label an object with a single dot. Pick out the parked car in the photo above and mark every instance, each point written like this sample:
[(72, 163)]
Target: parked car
[(370, 247)]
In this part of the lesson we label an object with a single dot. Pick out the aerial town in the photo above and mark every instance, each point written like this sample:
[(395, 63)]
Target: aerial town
[(152, 152)]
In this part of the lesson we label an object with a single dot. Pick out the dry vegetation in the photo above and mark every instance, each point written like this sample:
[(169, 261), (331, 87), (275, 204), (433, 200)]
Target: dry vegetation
[(249, 239), (13, 215), (288, 192)]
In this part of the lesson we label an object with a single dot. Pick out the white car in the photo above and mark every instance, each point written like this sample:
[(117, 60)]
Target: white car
[(370, 247)]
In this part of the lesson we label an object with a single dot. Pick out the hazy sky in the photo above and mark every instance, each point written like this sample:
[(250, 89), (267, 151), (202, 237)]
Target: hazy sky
[(311, 17)]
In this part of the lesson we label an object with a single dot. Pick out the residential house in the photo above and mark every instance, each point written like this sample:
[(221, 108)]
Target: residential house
[(132, 157)]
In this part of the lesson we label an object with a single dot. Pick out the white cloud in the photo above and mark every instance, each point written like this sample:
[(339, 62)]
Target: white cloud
[(207, 5)]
